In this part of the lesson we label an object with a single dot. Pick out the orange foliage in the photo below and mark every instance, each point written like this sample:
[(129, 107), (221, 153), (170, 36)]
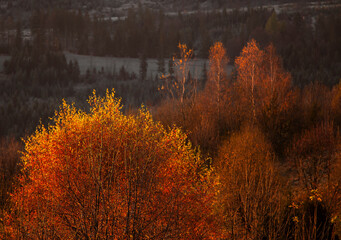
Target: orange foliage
[(182, 69), (251, 192), (276, 82), (311, 156), (218, 63), (217, 83), (104, 175), (316, 101), (176, 87), (315, 165), (265, 93), (262, 79), (249, 65)]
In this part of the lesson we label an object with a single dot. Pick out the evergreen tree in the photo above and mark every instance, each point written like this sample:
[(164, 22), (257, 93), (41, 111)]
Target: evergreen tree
[(161, 65), (171, 66), (18, 37), (143, 67), (204, 75)]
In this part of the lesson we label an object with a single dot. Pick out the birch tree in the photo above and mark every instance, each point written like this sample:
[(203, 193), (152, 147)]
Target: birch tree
[(104, 175)]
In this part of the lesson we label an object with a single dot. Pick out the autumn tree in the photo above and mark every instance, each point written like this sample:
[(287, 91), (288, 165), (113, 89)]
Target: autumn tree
[(251, 193), (265, 93), (261, 77), (104, 175), (313, 158), (275, 79), (176, 86), (249, 71), (179, 89), (206, 119), (277, 101), (217, 79), (182, 70), (316, 104), (311, 155)]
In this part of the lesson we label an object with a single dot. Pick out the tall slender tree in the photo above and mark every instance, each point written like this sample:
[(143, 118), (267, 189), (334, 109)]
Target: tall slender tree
[(143, 67), (217, 79), (248, 66)]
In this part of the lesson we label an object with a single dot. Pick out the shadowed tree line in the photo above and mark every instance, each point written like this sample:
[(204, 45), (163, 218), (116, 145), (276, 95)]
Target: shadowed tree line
[(308, 40)]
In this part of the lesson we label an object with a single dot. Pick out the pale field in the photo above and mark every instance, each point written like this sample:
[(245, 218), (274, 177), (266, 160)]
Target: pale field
[(111, 64), (114, 64)]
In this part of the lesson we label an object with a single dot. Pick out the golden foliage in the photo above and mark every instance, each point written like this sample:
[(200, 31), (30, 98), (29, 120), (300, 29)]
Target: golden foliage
[(251, 190), (104, 175)]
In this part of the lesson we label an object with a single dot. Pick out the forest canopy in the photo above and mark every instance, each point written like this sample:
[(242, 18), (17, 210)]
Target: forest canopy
[(241, 139)]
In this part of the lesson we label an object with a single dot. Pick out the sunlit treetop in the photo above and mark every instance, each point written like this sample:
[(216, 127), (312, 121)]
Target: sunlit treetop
[(104, 175)]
